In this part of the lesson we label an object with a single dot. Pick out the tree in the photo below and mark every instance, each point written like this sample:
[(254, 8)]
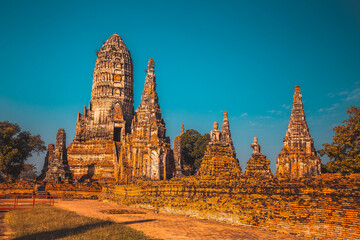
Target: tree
[(199, 149), (16, 147), (344, 151), (193, 146), (28, 173)]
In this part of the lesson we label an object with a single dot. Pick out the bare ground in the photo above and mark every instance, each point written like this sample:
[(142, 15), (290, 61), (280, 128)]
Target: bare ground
[(168, 226), (4, 232)]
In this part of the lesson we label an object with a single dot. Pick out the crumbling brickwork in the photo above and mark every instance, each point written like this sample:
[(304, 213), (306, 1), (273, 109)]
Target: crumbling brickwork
[(112, 143), (258, 167), (220, 160), (298, 158), (322, 207), (177, 153), (150, 154), (56, 166)]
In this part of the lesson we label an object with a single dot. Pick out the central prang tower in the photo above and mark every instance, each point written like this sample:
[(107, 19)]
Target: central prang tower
[(104, 124), (111, 107), (111, 142)]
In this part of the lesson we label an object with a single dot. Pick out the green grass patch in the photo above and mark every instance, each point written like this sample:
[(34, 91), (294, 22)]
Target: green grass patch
[(45, 222)]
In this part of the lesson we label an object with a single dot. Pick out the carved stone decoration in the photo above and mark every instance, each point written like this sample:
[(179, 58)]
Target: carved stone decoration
[(258, 166), (113, 75), (118, 113), (298, 158), (256, 148), (215, 134)]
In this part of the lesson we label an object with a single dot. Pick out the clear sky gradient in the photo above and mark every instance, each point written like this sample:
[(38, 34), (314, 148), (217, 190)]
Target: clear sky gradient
[(241, 56)]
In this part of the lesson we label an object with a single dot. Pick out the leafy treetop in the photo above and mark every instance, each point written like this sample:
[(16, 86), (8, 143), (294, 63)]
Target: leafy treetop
[(15, 147), (344, 151), (193, 146)]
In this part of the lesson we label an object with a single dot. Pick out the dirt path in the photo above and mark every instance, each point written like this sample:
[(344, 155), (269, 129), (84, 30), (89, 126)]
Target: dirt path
[(167, 226)]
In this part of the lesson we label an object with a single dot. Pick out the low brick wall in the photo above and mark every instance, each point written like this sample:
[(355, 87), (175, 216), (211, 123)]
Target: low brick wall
[(61, 190), (324, 207)]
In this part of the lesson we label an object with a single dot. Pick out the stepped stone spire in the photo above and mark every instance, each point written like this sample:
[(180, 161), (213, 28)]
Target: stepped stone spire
[(298, 157), (149, 132), (226, 134), (148, 115), (149, 97), (56, 166)]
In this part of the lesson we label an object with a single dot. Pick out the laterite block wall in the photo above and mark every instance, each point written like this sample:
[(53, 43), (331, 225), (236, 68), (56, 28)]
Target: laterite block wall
[(324, 207)]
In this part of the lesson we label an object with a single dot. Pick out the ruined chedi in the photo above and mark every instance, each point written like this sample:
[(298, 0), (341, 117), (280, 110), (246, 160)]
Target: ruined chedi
[(110, 144), (56, 166), (148, 148), (219, 160), (177, 153), (258, 165), (298, 159)]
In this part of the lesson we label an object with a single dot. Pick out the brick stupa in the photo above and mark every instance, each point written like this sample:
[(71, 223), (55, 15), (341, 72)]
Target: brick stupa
[(220, 160), (298, 158)]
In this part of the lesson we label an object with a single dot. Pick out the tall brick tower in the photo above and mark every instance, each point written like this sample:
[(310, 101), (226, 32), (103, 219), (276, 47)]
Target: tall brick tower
[(111, 107), (112, 143), (151, 150), (108, 118), (298, 159)]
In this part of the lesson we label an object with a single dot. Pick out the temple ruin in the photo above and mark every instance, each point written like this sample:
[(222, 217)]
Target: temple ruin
[(112, 143), (258, 165), (298, 158), (178, 158), (56, 166), (220, 160)]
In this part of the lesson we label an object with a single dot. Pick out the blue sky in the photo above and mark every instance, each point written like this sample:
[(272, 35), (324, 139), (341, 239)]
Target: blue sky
[(241, 56)]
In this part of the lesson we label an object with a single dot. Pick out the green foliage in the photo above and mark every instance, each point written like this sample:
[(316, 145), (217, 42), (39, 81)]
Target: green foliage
[(344, 151), (15, 147), (199, 149), (193, 146), (28, 173)]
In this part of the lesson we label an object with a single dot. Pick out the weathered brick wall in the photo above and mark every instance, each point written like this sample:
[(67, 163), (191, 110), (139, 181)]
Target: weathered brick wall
[(61, 190), (324, 207), (74, 190)]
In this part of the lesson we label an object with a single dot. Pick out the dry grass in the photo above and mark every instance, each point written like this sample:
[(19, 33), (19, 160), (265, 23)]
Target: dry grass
[(46, 222)]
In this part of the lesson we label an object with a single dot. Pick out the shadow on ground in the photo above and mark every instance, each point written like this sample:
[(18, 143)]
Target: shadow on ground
[(65, 232)]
